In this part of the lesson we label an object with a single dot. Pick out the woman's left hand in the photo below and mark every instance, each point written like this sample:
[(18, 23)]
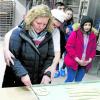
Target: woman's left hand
[(45, 80)]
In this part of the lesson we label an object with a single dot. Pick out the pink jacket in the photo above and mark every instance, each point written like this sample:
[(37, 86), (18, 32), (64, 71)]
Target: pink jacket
[(74, 48)]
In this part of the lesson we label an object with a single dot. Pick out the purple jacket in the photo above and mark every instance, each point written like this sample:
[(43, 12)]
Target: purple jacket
[(74, 48)]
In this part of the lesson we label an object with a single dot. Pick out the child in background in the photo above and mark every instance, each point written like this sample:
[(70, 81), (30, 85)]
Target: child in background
[(60, 6), (68, 23), (81, 49)]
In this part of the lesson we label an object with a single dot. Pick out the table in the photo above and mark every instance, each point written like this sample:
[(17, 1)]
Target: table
[(69, 91)]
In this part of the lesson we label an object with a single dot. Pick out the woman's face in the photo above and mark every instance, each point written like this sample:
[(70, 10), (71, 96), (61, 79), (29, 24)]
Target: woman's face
[(40, 23), (87, 27), (69, 14)]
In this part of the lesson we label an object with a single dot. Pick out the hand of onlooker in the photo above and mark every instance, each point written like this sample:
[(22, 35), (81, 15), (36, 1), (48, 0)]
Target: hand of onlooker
[(8, 57), (83, 62), (88, 61), (45, 80), (26, 80), (80, 62), (52, 69), (67, 30)]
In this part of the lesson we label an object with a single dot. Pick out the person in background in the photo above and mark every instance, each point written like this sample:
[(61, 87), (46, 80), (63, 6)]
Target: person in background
[(57, 20), (68, 23), (67, 28), (60, 6), (81, 49), (76, 25), (31, 45)]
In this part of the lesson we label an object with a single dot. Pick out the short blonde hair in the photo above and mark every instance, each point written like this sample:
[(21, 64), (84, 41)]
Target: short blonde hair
[(38, 11)]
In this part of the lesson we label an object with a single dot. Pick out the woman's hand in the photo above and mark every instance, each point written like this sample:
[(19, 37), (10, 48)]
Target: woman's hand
[(8, 57), (52, 69), (26, 80), (45, 80)]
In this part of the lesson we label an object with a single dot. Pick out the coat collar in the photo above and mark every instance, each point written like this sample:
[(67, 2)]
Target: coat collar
[(24, 36)]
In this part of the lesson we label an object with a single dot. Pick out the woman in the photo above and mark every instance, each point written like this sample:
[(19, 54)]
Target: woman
[(32, 46), (81, 49)]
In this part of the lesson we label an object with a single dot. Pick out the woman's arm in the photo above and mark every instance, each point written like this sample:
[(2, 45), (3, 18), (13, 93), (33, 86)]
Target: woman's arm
[(15, 45), (7, 54)]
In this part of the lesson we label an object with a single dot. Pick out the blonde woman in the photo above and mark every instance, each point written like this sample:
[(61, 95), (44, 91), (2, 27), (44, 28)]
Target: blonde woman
[(32, 47)]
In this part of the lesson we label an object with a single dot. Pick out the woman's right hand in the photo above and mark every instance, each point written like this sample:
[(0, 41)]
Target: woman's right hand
[(8, 57), (26, 80)]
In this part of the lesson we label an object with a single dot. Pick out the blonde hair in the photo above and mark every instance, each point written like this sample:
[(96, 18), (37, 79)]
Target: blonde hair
[(38, 11)]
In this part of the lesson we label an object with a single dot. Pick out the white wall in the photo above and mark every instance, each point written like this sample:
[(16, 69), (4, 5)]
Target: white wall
[(20, 11)]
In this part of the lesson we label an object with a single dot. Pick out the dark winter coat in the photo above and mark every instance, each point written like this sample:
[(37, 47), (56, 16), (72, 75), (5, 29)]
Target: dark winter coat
[(29, 59)]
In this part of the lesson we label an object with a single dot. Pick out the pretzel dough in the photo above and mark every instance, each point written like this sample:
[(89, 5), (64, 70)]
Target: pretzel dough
[(41, 91)]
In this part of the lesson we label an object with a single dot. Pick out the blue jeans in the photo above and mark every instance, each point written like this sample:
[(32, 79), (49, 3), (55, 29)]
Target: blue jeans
[(75, 75)]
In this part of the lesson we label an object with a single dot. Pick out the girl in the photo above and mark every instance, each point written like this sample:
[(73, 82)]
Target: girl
[(81, 49)]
